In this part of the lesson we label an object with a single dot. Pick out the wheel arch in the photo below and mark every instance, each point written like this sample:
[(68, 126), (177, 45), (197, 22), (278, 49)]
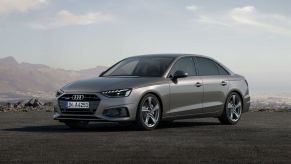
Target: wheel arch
[(158, 97), (237, 92)]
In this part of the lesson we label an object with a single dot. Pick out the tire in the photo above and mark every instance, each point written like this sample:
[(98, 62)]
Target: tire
[(232, 110), (148, 112), (77, 124)]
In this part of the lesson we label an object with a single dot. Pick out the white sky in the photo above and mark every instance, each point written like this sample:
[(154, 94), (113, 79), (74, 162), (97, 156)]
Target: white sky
[(252, 38)]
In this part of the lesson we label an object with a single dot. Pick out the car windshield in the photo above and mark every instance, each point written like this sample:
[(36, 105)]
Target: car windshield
[(140, 66)]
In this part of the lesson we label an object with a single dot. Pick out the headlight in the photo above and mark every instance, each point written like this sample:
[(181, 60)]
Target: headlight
[(59, 93), (117, 93)]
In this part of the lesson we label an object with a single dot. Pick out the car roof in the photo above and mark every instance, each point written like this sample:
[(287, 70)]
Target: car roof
[(175, 55)]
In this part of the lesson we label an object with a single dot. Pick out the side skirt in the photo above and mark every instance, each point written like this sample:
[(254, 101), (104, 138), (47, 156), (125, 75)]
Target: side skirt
[(199, 115)]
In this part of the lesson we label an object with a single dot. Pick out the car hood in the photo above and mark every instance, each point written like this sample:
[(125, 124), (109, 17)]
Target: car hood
[(99, 84)]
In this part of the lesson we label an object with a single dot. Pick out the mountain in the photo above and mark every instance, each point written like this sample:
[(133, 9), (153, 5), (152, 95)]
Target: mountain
[(25, 80)]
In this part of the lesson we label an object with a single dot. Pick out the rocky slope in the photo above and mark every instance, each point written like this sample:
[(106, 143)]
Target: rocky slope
[(23, 79)]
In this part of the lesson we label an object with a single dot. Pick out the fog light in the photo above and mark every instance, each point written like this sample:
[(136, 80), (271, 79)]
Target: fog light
[(116, 112)]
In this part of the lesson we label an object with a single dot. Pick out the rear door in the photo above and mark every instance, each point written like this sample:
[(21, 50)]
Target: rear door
[(215, 84), (186, 96)]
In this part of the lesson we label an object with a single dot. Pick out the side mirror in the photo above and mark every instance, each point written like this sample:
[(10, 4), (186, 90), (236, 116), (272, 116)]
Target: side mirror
[(180, 74)]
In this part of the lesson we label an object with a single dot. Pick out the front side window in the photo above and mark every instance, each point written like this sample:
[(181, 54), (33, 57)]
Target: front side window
[(141, 66), (185, 64), (206, 67)]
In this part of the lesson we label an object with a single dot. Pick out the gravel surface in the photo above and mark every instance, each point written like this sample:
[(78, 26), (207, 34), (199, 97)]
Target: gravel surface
[(33, 137)]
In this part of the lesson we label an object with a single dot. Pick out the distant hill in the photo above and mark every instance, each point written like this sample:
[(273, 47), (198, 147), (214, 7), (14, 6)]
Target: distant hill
[(24, 79)]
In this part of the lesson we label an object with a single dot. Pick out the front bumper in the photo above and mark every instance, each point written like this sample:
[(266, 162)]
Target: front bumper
[(129, 103)]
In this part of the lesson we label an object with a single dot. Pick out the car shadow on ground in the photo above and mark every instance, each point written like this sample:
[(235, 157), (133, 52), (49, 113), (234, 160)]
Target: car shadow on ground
[(106, 127)]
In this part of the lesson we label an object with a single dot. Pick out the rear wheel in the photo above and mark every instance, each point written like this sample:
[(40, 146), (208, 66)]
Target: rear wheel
[(232, 110), (149, 112), (77, 124)]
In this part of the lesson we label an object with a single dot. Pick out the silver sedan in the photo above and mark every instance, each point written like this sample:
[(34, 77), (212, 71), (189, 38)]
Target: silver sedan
[(145, 90)]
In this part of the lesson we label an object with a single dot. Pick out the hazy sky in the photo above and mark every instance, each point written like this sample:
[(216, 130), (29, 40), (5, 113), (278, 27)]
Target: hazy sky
[(251, 37)]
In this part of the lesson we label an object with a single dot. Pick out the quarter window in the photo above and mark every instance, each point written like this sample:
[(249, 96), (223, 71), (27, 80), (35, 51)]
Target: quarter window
[(206, 67), (185, 64), (221, 70)]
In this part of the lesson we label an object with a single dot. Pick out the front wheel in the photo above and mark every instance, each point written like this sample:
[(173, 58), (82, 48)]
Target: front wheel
[(77, 124), (149, 112), (232, 110)]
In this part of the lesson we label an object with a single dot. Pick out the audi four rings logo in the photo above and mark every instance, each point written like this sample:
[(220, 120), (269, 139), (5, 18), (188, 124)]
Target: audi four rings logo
[(78, 97)]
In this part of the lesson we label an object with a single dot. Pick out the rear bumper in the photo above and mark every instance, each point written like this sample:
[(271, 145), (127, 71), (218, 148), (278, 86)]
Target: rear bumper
[(99, 114), (247, 104)]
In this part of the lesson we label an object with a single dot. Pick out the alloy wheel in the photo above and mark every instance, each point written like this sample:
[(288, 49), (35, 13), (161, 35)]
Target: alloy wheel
[(150, 109), (234, 107)]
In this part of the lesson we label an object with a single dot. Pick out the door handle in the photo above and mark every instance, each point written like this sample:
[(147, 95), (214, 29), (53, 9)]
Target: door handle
[(223, 83), (198, 84)]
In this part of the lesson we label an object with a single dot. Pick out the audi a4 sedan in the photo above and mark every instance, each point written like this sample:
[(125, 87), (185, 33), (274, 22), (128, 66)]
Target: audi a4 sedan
[(145, 90)]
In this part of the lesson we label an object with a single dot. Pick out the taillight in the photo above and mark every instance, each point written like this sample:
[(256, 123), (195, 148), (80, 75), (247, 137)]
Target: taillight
[(247, 82)]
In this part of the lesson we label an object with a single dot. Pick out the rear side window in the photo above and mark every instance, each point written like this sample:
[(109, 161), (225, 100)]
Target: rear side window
[(206, 67), (185, 64)]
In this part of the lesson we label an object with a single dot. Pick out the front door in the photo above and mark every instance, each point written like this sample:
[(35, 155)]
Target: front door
[(185, 93)]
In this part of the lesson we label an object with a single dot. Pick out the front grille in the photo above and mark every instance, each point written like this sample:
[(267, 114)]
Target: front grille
[(79, 117), (87, 97), (93, 100)]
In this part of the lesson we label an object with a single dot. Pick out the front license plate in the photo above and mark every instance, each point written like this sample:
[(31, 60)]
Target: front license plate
[(77, 105)]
